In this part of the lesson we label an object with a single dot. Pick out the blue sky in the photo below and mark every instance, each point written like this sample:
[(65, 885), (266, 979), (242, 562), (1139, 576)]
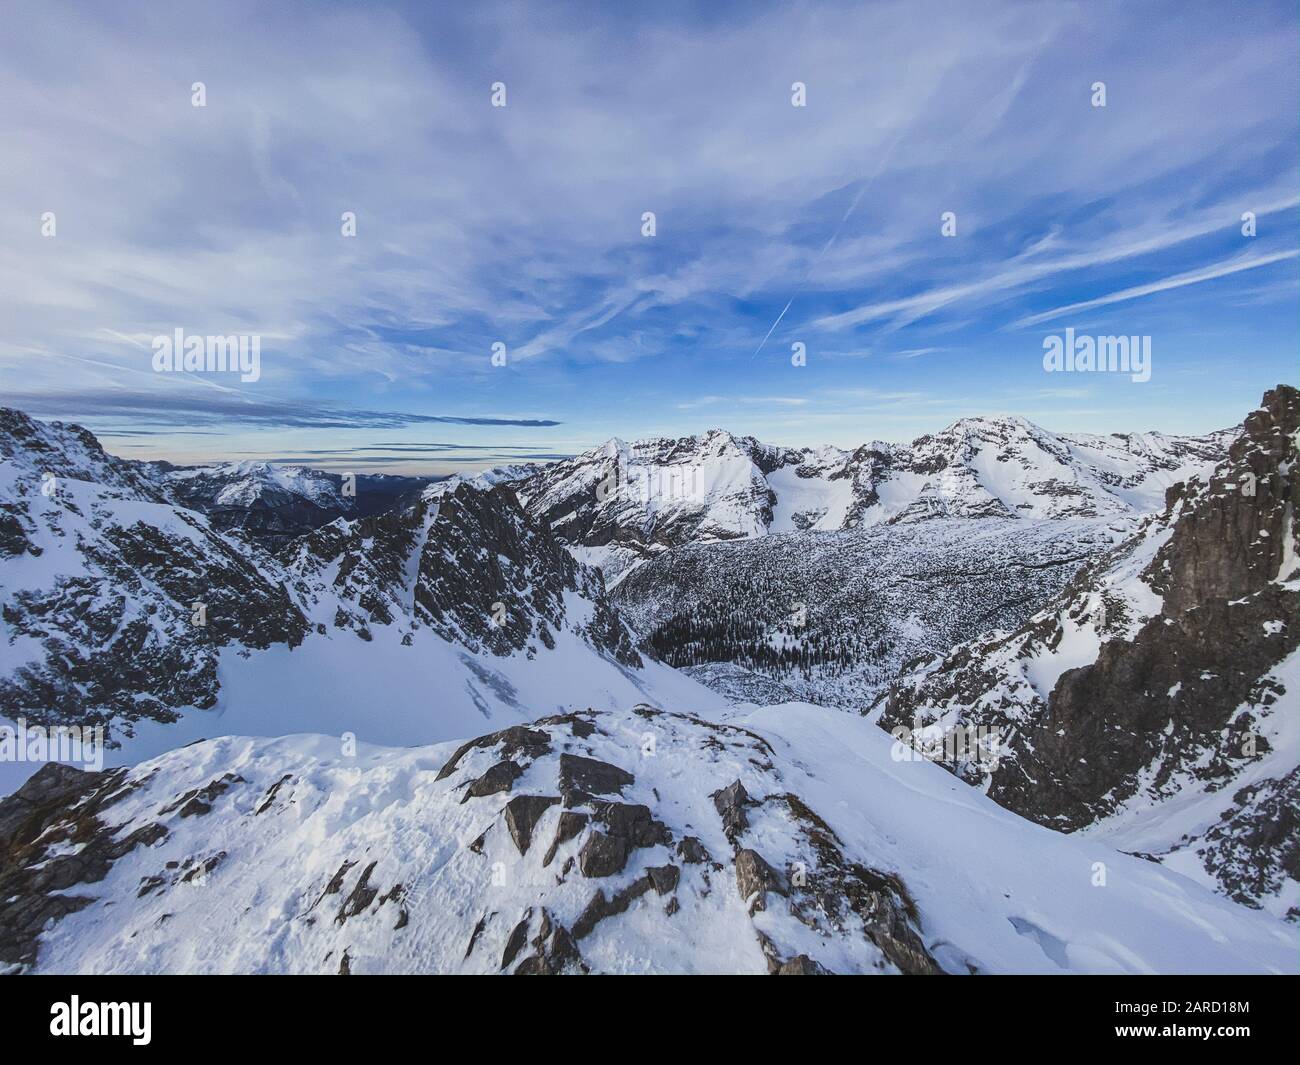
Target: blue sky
[(523, 224)]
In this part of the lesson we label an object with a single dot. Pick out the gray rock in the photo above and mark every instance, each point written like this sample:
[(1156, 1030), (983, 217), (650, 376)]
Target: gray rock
[(664, 878), (601, 907), (498, 778), (522, 814), (603, 855), (633, 822), (582, 778), (730, 802), (754, 877), (557, 951), (518, 937), (692, 851), (532, 743), (570, 825), (55, 806)]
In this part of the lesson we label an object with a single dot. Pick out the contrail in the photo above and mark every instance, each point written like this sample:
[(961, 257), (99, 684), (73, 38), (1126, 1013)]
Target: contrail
[(884, 159), (774, 325)]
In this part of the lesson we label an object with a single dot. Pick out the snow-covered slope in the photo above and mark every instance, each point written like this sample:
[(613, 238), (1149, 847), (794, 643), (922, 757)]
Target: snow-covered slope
[(608, 842), (1155, 702), (622, 503)]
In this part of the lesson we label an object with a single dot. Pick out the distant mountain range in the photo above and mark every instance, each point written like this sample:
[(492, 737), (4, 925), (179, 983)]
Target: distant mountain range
[(620, 503), (273, 503)]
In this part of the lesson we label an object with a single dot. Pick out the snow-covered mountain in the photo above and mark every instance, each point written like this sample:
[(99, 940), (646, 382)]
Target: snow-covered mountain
[(819, 573), (123, 608), (274, 503), (786, 840), (102, 576), (621, 503), (1155, 702)]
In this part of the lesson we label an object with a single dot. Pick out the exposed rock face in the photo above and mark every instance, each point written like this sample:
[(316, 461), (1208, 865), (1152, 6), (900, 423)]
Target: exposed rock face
[(498, 778), (517, 739), (730, 802), (582, 778), (755, 878), (52, 841), (522, 814), (824, 890), (1166, 669), (103, 628), (464, 561), (603, 855)]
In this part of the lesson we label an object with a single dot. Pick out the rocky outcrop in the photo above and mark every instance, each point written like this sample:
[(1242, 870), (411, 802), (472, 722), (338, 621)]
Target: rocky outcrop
[(1193, 624), (52, 842), (466, 562), (311, 861), (821, 887)]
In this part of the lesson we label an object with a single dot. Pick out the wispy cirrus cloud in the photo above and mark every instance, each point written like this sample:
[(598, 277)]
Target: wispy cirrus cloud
[(1192, 277), (1030, 269)]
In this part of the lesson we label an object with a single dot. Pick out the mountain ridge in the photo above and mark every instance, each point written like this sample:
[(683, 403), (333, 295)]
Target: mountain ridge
[(634, 841), (621, 503)]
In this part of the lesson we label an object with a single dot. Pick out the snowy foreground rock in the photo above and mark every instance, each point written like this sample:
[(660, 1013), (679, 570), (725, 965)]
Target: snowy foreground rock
[(785, 840)]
